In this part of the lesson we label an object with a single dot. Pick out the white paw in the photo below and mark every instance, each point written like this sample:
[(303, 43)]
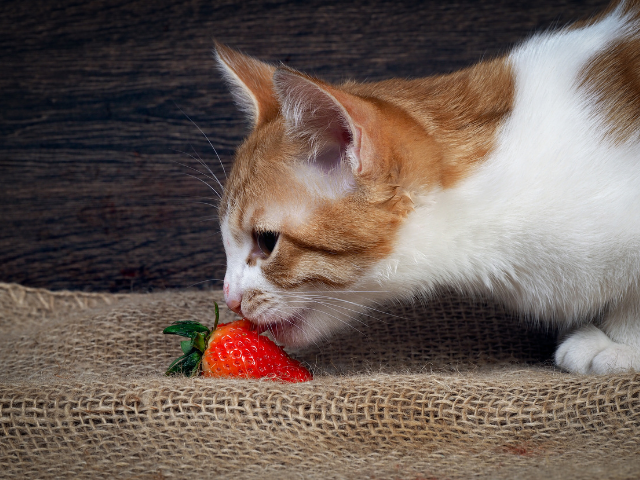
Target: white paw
[(616, 358), (589, 350)]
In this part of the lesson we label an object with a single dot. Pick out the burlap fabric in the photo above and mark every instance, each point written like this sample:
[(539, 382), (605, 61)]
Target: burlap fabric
[(448, 389)]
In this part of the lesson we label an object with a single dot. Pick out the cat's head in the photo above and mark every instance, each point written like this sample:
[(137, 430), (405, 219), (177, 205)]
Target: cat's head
[(315, 199)]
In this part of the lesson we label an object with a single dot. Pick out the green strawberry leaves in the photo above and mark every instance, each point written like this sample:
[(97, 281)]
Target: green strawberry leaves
[(185, 328), (188, 365), (193, 349), (186, 346)]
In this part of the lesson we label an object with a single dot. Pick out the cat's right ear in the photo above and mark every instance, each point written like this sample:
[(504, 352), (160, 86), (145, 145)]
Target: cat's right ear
[(336, 125), (251, 83)]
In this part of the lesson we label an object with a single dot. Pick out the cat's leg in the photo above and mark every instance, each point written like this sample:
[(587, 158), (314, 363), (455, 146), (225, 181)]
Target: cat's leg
[(614, 347)]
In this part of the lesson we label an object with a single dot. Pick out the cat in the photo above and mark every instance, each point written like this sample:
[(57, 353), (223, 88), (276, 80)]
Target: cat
[(517, 178)]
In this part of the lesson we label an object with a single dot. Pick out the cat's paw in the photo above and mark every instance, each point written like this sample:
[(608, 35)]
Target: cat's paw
[(589, 350), (616, 358)]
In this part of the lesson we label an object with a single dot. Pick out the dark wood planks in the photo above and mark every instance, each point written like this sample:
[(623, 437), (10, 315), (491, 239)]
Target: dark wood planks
[(92, 195)]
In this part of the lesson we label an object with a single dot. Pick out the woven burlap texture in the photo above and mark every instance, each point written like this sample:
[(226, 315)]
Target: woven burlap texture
[(451, 388)]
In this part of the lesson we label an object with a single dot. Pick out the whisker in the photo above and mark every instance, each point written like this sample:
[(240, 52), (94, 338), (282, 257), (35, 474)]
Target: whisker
[(205, 136), (204, 164), (353, 318), (212, 176), (322, 335), (315, 295), (347, 301), (208, 219), (210, 204), (323, 294), (330, 305), (296, 315), (332, 316), (190, 197), (188, 166), (205, 281), (200, 180), (282, 318), (345, 291)]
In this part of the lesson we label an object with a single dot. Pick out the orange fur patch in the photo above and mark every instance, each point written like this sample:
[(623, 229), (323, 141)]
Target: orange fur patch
[(612, 78), (340, 240), (443, 125)]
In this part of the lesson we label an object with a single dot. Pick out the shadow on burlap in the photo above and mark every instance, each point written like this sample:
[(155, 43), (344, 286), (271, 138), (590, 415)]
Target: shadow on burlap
[(449, 389)]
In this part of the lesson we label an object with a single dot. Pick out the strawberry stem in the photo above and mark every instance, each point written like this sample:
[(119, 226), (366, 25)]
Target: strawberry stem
[(217, 310)]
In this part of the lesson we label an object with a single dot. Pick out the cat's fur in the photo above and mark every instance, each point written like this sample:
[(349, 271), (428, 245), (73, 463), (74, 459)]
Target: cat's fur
[(518, 178)]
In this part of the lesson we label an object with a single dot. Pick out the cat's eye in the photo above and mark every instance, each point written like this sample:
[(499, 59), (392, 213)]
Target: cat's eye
[(266, 241)]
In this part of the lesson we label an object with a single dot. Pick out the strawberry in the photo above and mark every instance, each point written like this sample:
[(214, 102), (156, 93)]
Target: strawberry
[(232, 349)]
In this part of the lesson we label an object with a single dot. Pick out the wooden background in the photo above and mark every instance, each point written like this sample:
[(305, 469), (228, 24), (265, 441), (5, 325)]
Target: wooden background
[(92, 193)]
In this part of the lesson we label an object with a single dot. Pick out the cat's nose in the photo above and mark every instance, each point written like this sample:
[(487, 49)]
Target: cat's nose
[(233, 301)]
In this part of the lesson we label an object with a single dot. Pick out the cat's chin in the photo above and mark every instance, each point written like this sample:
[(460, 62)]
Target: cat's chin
[(287, 332)]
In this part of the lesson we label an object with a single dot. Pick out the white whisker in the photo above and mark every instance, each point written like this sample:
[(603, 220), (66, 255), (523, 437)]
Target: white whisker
[(286, 319), (334, 307), (208, 219), (205, 136), (329, 315), (347, 301), (212, 176), (200, 180), (205, 281), (210, 204), (204, 164)]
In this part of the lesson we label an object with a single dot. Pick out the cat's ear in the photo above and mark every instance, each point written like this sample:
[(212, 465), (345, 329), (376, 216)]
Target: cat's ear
[(251, 83), (336, 124)]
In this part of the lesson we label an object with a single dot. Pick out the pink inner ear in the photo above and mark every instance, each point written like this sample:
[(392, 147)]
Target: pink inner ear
[(324, 115), (329, 157), (337, 141)]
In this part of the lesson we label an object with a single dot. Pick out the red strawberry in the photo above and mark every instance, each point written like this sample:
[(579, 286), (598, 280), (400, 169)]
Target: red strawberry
[(232, 349)]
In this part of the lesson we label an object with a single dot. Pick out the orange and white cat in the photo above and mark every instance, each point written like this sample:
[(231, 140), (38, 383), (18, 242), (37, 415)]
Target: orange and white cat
[(517, 178)]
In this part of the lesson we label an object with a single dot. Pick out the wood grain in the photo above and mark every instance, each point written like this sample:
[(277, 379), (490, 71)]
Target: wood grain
[(93, 195)]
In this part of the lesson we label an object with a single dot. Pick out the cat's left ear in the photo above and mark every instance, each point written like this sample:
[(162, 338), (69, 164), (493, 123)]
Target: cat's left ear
[(336, 124), (251, 83)]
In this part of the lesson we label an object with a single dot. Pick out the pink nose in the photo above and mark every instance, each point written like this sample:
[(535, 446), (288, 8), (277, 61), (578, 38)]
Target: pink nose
[(234, 305), (233, 301)]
